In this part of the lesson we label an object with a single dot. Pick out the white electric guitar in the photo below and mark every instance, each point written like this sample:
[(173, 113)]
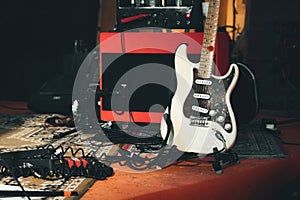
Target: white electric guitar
[(200, 112)]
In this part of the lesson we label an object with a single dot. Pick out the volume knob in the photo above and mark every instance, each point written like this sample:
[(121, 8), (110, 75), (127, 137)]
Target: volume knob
[(220, 118), (212, 113), (227, 127)]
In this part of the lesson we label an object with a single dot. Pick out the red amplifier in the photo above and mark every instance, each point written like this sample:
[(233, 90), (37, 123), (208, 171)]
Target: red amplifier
[(137, 76)]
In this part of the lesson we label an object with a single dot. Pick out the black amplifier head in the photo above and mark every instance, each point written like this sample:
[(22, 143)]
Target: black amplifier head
[(172, 14), (151, 3)]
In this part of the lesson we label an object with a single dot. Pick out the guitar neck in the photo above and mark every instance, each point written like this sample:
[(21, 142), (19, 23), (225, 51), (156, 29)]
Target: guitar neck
[(209, 39)]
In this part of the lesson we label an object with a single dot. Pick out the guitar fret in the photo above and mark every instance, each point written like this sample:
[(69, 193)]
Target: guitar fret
[(212, 22), (206, 39), (204, 61), (211, 27), (211, 32), (206, 57), (208, 42), (206, 54)]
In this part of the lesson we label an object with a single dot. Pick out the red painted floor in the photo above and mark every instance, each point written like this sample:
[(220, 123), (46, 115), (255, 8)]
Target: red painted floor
[(251, 179)]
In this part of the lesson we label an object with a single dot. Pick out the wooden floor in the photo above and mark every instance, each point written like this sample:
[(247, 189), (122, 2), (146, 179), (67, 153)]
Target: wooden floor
[(272, 178)]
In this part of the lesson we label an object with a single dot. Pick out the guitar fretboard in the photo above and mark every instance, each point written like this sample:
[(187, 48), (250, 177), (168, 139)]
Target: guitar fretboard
[(209, 38)]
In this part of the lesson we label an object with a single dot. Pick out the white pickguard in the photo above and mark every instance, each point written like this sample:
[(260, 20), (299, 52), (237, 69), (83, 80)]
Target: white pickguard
[(190, 138)]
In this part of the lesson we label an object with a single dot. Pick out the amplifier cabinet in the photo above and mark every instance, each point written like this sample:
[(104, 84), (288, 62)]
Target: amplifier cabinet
[(137, 76)]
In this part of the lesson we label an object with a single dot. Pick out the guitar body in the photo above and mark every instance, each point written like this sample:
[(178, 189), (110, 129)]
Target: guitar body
[(200, 111)]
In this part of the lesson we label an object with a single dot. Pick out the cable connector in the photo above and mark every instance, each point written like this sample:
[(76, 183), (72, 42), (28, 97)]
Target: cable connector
[(269, 124)]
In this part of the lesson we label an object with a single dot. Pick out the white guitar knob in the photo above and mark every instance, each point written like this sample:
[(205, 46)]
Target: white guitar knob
[(221, 119), (212, 113), (227, 127)]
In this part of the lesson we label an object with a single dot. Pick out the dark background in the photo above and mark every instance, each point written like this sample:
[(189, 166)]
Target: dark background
[(271, 47), (36, 34), (34, 37)]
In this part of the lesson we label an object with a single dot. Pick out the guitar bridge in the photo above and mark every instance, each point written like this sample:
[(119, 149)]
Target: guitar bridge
[(201, 122)]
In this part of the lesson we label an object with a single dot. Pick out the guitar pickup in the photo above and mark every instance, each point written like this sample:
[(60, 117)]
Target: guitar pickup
[(200, 109), (201, 96), (203, 82)]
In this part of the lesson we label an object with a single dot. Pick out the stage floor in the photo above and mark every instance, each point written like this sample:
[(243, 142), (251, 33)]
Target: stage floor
[(256, 177)]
